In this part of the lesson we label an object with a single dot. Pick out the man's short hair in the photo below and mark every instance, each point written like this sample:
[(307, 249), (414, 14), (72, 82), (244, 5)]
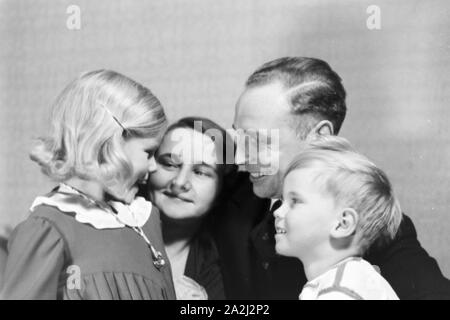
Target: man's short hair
[(313, 89), (355, 182)]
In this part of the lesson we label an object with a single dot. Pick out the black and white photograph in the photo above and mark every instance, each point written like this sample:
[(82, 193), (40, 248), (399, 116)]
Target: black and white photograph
[(239, 150)]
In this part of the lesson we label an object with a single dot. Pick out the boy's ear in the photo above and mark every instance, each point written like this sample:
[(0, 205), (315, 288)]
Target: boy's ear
[(322, 128), (346, 223)]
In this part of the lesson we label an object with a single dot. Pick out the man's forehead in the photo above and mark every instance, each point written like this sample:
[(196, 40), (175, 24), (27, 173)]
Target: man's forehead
[(262, 107)]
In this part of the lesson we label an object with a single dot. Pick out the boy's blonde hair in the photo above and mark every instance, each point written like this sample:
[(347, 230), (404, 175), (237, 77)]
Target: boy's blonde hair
[(355, 182), (89, 122)]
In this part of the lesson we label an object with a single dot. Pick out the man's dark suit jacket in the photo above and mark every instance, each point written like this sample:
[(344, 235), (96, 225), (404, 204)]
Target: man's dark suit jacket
[(244, 232)]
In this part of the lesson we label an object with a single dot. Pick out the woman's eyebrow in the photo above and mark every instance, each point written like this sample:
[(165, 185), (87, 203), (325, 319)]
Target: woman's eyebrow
[(170, 155)]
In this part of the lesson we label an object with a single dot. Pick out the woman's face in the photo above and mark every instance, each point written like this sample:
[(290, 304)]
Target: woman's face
[(185, 182), (140, 152)]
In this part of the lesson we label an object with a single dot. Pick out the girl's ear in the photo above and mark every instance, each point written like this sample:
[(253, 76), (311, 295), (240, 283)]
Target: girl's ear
[(346, 223)]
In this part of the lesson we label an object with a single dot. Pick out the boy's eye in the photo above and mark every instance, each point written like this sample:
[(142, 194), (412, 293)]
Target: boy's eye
[(295, 201)]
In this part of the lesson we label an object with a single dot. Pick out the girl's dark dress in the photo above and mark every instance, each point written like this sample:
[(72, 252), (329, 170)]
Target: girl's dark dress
[(54, 256)]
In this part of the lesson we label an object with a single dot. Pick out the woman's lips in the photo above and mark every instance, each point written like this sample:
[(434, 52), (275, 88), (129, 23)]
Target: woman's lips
[(172, 195)]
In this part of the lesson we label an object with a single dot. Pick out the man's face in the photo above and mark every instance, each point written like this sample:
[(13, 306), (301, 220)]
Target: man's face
[(265, 110)]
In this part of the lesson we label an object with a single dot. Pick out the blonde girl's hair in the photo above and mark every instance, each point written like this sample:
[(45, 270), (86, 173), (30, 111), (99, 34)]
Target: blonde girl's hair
[(90, 119)]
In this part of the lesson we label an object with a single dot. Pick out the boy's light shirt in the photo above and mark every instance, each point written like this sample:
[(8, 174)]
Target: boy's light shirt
[(351, 279)]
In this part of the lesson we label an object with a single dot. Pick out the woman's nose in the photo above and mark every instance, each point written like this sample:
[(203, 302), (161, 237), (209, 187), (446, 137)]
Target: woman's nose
[(181, 181), (152, 164)]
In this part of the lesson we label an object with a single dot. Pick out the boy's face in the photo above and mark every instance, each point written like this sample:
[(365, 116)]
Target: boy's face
[(304, 221)]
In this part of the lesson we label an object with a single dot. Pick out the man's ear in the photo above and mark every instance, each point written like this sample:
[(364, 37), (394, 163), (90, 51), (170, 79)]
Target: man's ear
[(346, 223), (322, 128)]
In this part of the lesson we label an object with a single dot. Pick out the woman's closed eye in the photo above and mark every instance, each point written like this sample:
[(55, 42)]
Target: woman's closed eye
[(171, 165), (203, 171), (168, 163)]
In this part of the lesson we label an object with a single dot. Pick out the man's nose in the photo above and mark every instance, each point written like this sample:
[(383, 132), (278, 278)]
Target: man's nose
[(245, 162), (239, 157)]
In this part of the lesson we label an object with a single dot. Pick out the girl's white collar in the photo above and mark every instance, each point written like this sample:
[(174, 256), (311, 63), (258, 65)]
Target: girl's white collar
[(69, 200)]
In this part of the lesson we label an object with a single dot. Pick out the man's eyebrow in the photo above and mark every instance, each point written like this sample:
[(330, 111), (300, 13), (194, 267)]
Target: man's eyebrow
[(262, 134)]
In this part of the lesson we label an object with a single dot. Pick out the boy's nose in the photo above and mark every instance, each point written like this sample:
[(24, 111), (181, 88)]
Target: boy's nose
[(280, 212)]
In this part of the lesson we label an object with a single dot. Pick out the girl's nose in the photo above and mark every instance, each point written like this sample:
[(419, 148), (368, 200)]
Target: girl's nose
[(239, 157), (152, 164)]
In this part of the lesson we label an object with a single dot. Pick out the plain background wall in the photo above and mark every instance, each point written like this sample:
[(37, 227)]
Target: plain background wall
[(195, 56)]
